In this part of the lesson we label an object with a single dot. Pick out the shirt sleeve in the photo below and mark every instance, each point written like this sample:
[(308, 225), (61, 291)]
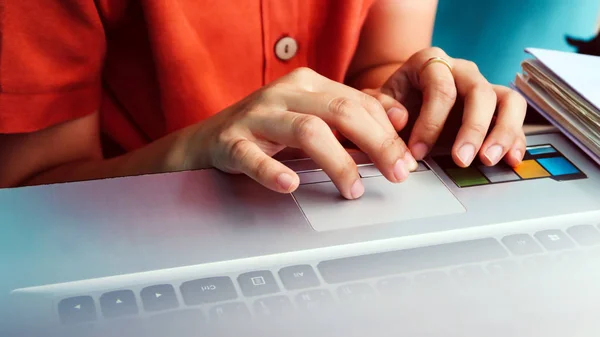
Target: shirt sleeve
[(51, 56)]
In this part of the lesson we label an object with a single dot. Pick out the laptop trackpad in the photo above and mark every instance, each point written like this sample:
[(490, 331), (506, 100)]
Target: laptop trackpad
[(421, 195)]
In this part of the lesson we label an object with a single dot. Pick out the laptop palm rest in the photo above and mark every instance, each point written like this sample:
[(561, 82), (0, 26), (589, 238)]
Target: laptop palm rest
[(422, 195)]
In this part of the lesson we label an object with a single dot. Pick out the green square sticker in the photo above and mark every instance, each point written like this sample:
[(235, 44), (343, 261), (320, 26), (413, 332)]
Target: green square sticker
[(465, 177)]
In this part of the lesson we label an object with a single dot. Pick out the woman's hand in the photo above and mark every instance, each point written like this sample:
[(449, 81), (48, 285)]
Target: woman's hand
[(299, 111), (436, 89)]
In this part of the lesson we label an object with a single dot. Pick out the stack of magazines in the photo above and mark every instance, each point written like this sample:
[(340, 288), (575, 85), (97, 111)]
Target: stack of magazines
[(565, 88)]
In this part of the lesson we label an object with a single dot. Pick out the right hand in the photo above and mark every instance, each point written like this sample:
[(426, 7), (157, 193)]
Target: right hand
[(299, 110)]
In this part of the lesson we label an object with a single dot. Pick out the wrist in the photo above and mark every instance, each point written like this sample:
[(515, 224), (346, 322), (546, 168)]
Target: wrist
[(374, 77), (181, 155)]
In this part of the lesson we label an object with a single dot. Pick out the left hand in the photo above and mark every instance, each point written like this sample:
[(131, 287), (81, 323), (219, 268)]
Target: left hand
[(435, 90)]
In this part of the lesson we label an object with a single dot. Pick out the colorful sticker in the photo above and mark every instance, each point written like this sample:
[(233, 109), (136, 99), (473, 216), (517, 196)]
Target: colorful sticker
[(540, 161)]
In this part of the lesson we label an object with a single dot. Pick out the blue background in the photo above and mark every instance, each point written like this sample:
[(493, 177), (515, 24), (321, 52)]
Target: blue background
[(494, 33)]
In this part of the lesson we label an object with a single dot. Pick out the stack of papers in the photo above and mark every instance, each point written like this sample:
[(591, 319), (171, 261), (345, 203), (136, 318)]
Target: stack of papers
[(565, 88)]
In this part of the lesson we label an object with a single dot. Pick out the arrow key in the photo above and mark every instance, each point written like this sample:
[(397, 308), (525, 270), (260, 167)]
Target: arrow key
[(77, 310), (118, 303), (159, 297)]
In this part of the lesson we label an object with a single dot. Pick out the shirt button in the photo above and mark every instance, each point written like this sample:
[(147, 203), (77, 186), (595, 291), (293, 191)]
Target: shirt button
[(286, 48)]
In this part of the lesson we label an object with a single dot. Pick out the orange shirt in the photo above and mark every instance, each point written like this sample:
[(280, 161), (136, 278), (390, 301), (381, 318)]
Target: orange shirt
[(154, 66)]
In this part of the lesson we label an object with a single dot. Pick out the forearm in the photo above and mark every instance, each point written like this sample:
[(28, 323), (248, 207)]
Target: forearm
[(374, 77), (393, 31), (164, 155)]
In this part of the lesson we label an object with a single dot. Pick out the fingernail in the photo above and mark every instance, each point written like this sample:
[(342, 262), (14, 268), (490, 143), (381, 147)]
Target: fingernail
[(466, 154), (400, 170), (493, 153), (357, 189), (285, 181), (395, 112), (412, 163), (419, 151)]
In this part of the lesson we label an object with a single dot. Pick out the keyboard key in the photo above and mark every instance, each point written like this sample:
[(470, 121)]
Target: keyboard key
[(468, 274), (571, 258), (499, 173), (302, 165), (539, 263), (313, 177), (258, 283), (585, 235), (369, 171), (126, 326), (402, 261), (118, 303), (539, 150), (503, 268), (421, 167), (356, 292), (521, 244), (314, 299), (554, 240), (393, 285), (229, 311), (273, 306), (558, 166), (187, 322), (594, 254), (208, 290), (77, 310), (298, 277), (432, 278), (159, 297)]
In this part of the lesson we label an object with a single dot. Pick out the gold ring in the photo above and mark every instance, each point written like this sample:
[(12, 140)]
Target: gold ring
[(435, 60)]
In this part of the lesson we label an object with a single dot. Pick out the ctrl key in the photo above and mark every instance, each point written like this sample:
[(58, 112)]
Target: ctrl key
[(75, 310), (208, 290)]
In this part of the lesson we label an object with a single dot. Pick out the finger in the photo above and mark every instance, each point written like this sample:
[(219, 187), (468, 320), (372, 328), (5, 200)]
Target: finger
[(246, 157), (313, 82), (439, 95), (515, 155), (507, 130), (397, 113), (479, 106), (315, 138), (385, 148)]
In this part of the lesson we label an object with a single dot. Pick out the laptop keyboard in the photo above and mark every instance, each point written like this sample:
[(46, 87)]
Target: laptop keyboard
[(356, 279)]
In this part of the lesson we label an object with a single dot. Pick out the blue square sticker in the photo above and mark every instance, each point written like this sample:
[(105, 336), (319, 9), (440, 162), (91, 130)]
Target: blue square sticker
[(539, 150), (558, 166)]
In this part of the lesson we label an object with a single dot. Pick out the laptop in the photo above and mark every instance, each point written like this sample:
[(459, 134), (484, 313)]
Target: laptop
[(494, 251)]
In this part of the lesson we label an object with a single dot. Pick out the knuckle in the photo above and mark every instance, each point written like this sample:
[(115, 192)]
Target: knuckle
[(302, 73), (484, 90), (471, 66), (225, 137), (267, 96), (261, 168), (307, 127), (347, 169), (509, 131), (518, 99), (445, 90), (477, 128), (238, 148), (373, 104), (437, 51), (387, 144), (303, 78), (505, 135), (341, 108), (431, 127)]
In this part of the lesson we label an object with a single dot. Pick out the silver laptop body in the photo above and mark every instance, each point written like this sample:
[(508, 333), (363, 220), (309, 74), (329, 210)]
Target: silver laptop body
[(450, 252)]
